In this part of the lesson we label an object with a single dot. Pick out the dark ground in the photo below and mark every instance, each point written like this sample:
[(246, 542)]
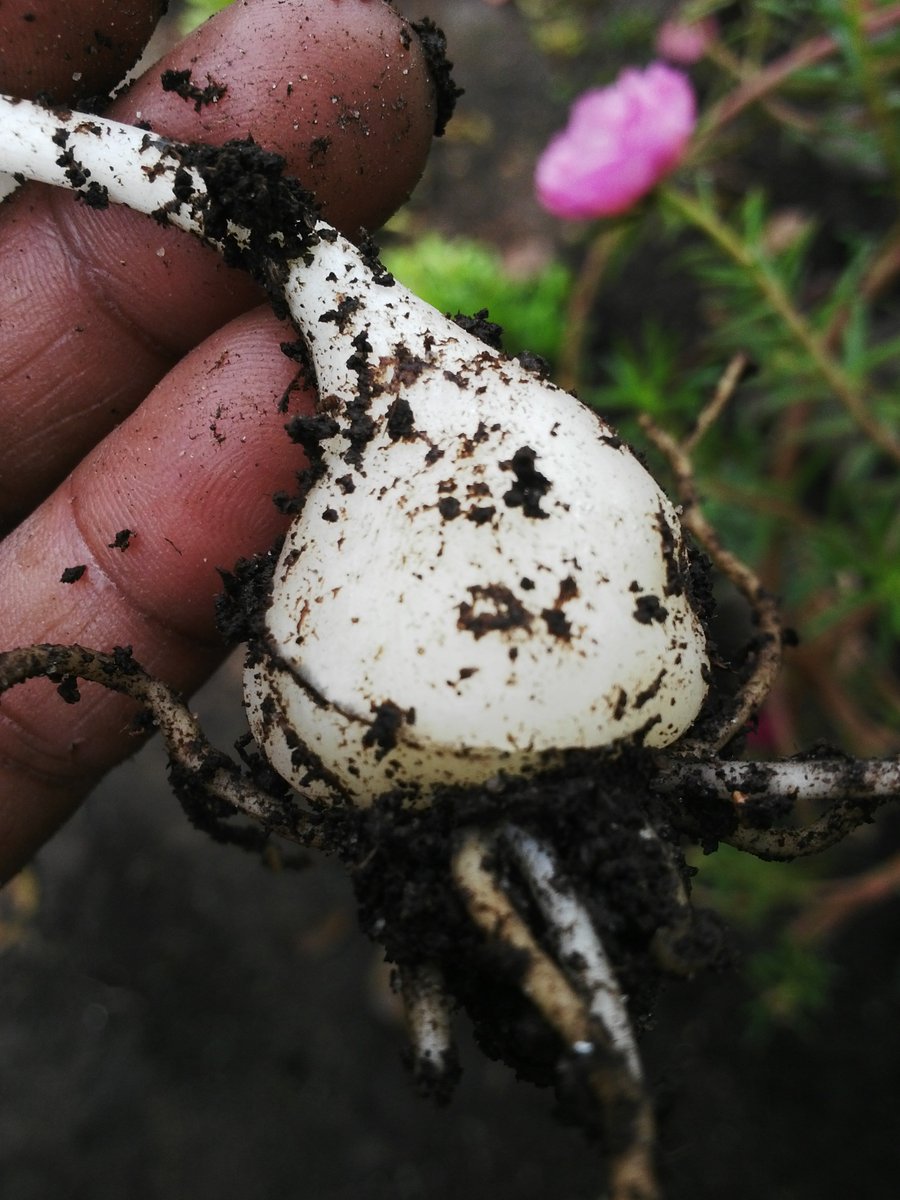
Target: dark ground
[(176, 1021)]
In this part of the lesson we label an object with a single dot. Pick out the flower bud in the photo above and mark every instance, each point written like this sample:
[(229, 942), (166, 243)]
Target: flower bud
[(685, 42)]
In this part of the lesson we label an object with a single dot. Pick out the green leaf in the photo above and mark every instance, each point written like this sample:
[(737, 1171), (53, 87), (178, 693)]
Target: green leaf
[(854, 344), (463, 275)]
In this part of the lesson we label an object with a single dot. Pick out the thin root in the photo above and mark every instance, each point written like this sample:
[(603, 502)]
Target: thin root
[(631, 1175), (767, 616), (577, 942), (434, 1062), (856, 788), (191, 755)]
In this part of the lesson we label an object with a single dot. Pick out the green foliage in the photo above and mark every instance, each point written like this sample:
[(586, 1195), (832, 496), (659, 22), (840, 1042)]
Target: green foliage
[(792, 984), (785, 237), (748, 891), (840, 500), (790, 981), (559, 28), (459, 275), (647, 374), (198, 11)]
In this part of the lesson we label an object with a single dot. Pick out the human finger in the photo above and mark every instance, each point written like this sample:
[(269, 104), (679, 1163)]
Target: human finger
[(72, 51), (183, 487), (98, 304)]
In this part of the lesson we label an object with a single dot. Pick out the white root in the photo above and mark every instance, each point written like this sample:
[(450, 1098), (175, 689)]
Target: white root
[(620, 1095), (579, 947), (543, 982), (127, 164), (810, 779), (429, 1025), (854, 789)]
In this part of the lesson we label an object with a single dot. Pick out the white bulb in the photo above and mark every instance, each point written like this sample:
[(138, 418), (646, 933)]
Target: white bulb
[(482, 577)]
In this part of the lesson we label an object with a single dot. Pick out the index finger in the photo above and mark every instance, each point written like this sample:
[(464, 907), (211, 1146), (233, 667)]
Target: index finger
[(72, 51), (98, 305)]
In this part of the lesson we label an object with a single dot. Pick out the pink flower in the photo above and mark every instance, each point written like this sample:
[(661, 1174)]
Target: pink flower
[(620, 141), (685, 42)]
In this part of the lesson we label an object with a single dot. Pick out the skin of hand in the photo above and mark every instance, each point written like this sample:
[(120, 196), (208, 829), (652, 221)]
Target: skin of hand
[(140, 378)]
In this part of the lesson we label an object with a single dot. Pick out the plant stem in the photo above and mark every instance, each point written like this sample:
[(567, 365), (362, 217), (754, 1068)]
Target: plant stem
[(743, 72), (725, 389), (102, 161), (107, 162), (844, 899), (702, 217), (581, 304), (776, 73), (873, 91)]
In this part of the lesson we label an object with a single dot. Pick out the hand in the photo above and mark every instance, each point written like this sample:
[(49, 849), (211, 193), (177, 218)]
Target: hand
[(140, 378)]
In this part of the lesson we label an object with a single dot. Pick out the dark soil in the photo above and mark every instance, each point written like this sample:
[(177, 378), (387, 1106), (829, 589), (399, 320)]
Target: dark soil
[(178, 1022)]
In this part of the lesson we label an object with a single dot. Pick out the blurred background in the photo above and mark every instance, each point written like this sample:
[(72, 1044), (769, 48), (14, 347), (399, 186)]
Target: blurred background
[(178, 1021)]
